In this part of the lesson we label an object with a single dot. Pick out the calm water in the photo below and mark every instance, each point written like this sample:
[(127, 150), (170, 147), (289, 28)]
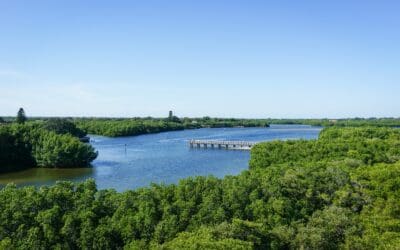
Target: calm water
[(161, 158)]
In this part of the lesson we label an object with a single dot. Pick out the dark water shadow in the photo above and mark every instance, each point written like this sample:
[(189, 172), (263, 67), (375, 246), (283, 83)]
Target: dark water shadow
[(35, 176)]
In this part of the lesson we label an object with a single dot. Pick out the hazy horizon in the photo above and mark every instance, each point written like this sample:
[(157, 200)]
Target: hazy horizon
[(247, 59), (195, 117)]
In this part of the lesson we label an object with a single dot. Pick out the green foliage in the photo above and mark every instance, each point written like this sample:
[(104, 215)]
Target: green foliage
[(380, 218), (15, 151), (205, 238), (174, 118), (24, 146), (126, 127), (21, 117), (354, 122), (226, 122), (53, 150), (341, 191), (63, 126), (325, 229), (138, 126), (369, 145)]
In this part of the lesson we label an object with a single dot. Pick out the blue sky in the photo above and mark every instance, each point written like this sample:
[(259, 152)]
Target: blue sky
[(282, 59)]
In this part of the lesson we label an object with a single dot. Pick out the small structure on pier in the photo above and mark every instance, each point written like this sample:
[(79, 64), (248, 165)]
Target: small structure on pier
[(240, 145)]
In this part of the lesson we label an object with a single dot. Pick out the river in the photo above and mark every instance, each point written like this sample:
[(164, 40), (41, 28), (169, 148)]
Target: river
[(136, 161)]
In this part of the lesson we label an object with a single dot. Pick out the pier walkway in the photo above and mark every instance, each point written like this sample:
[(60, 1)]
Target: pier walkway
[(243, 145)]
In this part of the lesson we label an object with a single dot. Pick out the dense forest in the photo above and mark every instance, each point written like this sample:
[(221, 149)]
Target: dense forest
[(341, 191), (52, 143)]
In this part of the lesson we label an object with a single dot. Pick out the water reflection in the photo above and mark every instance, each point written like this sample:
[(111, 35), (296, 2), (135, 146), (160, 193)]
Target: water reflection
[(46, 175)]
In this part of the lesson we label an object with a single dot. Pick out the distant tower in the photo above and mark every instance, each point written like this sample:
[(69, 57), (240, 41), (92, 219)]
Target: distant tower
[(171, 114)]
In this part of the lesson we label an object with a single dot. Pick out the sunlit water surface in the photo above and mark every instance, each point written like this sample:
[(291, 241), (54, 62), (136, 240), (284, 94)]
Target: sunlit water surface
[(130, 162)]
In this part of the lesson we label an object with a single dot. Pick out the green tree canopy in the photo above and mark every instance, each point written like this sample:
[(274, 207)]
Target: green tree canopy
[(21, 116), (341, 191), (29, 145), (63, 126)]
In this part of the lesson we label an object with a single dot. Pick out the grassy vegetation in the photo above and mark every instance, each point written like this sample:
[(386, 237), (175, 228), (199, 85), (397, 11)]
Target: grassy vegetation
[(338, 192)]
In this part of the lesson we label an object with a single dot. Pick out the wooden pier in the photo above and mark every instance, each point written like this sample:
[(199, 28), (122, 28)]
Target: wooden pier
[(240, 145)]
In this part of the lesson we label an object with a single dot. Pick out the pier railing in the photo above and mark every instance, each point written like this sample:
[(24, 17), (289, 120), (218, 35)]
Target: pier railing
[(245, 145)]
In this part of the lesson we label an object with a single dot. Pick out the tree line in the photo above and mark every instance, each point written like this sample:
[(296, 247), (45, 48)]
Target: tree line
[(212, 122), (338, 192), (138, 126), (346, 122)]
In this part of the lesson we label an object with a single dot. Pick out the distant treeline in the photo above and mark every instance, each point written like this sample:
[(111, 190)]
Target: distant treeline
[(126, 127), (351, 122), (137, 126), (215, 122), (208, 122), (341, 191), (43, 144)]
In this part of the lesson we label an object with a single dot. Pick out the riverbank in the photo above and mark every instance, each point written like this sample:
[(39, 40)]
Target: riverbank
[(340, 191), (131, 162)]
